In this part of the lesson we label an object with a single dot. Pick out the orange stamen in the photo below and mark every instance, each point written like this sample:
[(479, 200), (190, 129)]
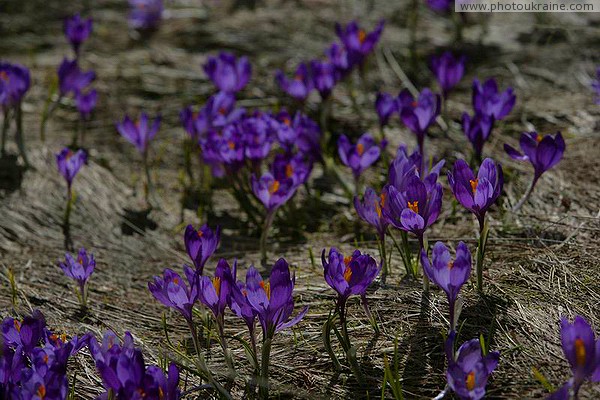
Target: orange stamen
[(580, 352), (200, 233), (414, 104), (474, 184), (216, 281), (274, 187), (222, 111), (231, 144), (287, 121), (450, 265), (69, 154), (80, 260), (289, 171), (176, 281), (297, 77), (360, 149), (41, 391), (470, 381), (161, 394), (347, 274), (347, 260), (17, 325), (4, 76), (267, 288), (362, 35), (414, 206), (538, 137)]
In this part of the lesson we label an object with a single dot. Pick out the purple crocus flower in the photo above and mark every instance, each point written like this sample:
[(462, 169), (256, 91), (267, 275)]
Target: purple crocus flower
[(440, 5), (79, 270), (145, 14), (360, 156), (448, 274), (242, 307), (294, 168), (201, 244), (300, 86), (14, 83), (488, 101), (543, 152), (171, 290), (349, 275), (272, 192), (69, 163), (414, 209), (358, 42), (228, 73), (273, 301), (308, 136), (386, 106), (71, 79), (215, 293), (140, 132), (469, 370), (582, 350), (369, 210), (324, 77), (86, 102), (448, 70), (24, 334), (419, 114), (476, 194), (404, 166), (477, 129), (338, 57), (77, 30)]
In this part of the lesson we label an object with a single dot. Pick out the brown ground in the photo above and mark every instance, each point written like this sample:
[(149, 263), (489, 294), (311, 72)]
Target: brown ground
[(543, 262)]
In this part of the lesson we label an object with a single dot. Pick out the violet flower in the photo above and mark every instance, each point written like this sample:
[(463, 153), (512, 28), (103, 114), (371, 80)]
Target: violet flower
[(324, 77), (448, 274), (86, 103), (543, 152), (77, 30), (369, 210), (200, 244), (386, 106), (69, 164), (404, 166), (26, 333), (80, 271), (338, 56), (300, 86), (360, 156), (477, 194), (419, 114), (145, 14), (291, 167), (228, 73), (14, 84), (358, 42), (487, 100), (468, 370), (441, 6), (478, 130), (172, 291), (448, 70), (582, 349), (71, 79)]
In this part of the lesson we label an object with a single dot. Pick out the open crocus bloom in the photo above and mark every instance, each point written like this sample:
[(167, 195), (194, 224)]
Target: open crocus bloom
[(272, 192), (487, 100), (360, 156), (139, 133), (200, 244), (448, 70), (300, 86), (370, 210), (349, 275), (543, 152), (69, 163), (171, 290), (228, 73), (358, 43)]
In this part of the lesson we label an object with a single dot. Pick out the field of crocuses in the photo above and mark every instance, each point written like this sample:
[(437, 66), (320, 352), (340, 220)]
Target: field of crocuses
[(298, 199)]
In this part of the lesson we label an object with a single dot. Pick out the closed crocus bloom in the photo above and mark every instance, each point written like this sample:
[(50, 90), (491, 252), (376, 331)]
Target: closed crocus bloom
[(477, 129), (300, 86), (448, 274), (414, 209), (172, 290), (14, 83), (369, 210), (582, 350), (404, 166), (215, 292), (71, 79), (200, 244), (221, 110), (77, 30), (145, 14), (228, 73), (448, 70), (489, 101), (358, 42), (360, 156), (324, 77), (86, 102), (139, 133), (272, 192), (386, 106), (419, 114), (273, 301), (543, 152), (349, 275), (468, 374), (79, 269), (338, 56), (69, 163), (476, 193)]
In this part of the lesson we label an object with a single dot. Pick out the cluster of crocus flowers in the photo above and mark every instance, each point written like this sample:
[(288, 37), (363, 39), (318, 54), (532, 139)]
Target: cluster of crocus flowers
[(145, 15), (33, 360), (582, 349), (448, 71), (125, 374), (140, 133), (14, 84), (543, 152), (79, 269), (489, 105), (477, 194), (360, 156)]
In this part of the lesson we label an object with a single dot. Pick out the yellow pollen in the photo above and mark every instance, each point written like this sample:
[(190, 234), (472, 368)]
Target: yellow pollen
[(378, 209), (347, 274), (360, 149), (216, 281), (289, 171), (17, 325), (231, 144), (347, 260), (63, 337), (450, 265), (274, 187), (287, 121), (80, 260), (267, 288), (362, 35), (580, 352), (474, 184), (414, 206), (41, 391), (470, 381)]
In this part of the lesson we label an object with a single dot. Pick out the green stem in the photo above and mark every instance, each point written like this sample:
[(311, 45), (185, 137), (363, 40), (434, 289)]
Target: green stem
[(19, 134), (266, 354), (527, 194), (226, 352), (404, 253), (49, 108), (5, 126), (264, 236), (382, 254), (148, 183), (483, 236), (425, 277)]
